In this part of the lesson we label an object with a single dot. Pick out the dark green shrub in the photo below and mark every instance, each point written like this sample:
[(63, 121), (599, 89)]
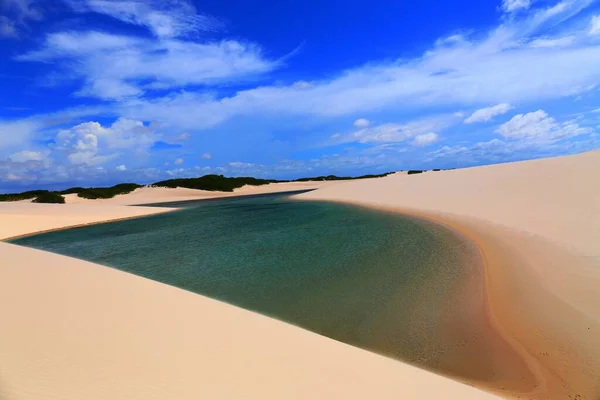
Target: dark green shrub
[(50, 197), (22, 196), (72, 190), (214, 183), (437, 170), (341, 178), (103, 193), (414, 171)]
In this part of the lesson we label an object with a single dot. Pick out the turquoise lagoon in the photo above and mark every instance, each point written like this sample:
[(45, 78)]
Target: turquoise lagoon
[(380, 281)]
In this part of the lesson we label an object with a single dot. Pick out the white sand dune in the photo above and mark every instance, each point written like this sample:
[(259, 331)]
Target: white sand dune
[(537, 224), (75, 330)]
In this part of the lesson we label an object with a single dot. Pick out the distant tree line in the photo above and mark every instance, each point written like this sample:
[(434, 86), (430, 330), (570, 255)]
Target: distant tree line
[(339, 178), (50, 197), (38, 196), (214, 183), (102, 193)]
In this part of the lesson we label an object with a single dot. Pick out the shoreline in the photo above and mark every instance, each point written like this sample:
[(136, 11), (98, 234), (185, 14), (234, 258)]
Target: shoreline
[(128, 317), (161, 208), (458, 228), (496, 256), (444, 223), (122, 205), (108, 221)]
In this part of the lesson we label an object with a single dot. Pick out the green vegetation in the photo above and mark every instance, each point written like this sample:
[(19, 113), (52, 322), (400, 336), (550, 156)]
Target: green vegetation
[(340, 178), (415, 171), (38, 196), (437, 170), (22, 196), (50, 197), (221, 183), (213, 183), (73, 190), (103, 193)]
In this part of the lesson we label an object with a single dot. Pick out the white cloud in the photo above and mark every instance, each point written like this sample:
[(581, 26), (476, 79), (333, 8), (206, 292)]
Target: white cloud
[(117, 67), (178, 161), (486, 114), (165, 19), (206, 156), (595, 25), (539, 125), (242, 165), (497, 150), (484, 69), (121, 168), (381, 133), (24, 156), (394, 133), (510, 6), (502, 67), (92, 144), (184, 136), (17, 133), (552, 42), (425, 139), (362, 123)]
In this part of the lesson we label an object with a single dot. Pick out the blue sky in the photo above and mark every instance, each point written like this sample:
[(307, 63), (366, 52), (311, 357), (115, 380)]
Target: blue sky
[(104, 91)]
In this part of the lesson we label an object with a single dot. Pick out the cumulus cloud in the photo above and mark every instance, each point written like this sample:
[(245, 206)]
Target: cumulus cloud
[(206, 156), (510, 6), (118, 67), (486, 114), (362, 123), (425, 139), (92, 144), (165, 19), (539, 125), (179, 161), (121, 168)]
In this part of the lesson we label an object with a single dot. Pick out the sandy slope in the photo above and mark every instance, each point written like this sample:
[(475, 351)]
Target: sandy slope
[(76, 330), (21, 218), (537, 224)]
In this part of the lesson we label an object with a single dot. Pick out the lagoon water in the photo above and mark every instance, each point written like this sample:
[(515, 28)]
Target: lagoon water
[(402, 287)]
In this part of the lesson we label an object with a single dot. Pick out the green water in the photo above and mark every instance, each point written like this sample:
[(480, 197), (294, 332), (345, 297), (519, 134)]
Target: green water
[(376, 280)]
